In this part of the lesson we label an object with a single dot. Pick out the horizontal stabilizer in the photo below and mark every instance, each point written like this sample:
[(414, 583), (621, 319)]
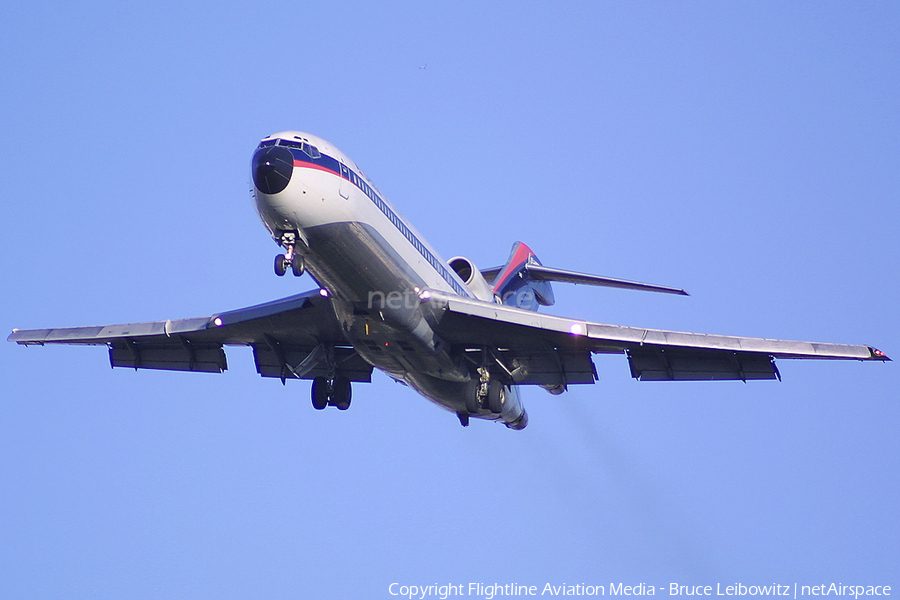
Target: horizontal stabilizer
[(542, 273)]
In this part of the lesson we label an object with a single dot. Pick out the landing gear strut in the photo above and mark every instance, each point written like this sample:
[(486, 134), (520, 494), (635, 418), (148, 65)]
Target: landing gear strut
[(289, 258), (331, 392)]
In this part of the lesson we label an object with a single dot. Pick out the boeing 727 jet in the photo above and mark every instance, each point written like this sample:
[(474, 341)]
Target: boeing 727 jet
[(464, 338)]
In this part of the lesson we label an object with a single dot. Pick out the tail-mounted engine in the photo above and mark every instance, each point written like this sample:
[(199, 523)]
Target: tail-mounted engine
[(472, 277)]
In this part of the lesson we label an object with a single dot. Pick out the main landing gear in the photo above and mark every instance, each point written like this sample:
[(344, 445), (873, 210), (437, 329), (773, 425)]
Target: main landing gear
[(485, 392), (331, 392), (289, 260)]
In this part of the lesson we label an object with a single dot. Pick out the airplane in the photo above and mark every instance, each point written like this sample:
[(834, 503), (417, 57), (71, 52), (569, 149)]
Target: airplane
[(464, 338)]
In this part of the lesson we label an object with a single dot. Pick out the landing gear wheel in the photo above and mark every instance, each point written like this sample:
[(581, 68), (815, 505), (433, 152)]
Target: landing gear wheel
[(472, 403), (341, 393), (280, 265), (496, 397), (319, 393), (297, 266)]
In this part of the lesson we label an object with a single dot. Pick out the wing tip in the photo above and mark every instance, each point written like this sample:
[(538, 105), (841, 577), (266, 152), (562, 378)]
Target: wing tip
[(21, 337), (876, 354)]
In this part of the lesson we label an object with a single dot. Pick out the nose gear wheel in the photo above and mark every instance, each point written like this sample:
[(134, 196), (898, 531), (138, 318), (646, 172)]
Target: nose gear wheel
[(290, 259)]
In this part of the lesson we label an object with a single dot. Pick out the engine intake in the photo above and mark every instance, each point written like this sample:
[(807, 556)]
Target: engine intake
[(472, 277)]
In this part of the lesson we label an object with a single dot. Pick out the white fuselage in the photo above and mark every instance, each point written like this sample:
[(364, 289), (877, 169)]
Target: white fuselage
[(372, 263)]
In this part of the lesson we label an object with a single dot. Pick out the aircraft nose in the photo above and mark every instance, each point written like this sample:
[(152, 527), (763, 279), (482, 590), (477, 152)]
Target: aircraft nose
[(272, 169)]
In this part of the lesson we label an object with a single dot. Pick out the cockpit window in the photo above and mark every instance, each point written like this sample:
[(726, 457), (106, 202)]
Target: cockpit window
[(311, 150), (266, 143), (306, 147)]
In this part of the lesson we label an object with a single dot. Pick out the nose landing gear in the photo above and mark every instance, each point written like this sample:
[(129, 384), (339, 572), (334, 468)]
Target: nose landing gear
[(289, 259)]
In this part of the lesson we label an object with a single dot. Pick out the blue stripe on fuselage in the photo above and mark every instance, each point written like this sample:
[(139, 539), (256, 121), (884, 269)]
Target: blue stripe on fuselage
[(341, 170)]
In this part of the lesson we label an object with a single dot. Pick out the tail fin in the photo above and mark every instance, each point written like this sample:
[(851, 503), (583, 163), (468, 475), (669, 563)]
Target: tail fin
[(515, 286)]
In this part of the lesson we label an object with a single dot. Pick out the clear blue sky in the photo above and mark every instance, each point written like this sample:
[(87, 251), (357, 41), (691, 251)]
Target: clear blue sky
[(746, 151)]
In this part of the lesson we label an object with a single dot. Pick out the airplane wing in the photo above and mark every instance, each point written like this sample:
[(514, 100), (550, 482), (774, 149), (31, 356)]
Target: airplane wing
[(300, 337), (295, 337), (551, 351)]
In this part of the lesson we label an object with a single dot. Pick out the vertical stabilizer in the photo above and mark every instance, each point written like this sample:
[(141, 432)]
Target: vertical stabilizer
[(516, 287)]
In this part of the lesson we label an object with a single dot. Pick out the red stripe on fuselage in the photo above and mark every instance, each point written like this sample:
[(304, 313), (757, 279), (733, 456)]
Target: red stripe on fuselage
[(309, 165)]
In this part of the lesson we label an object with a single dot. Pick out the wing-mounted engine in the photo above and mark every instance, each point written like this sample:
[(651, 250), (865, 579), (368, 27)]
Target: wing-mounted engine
[(472, 277)]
